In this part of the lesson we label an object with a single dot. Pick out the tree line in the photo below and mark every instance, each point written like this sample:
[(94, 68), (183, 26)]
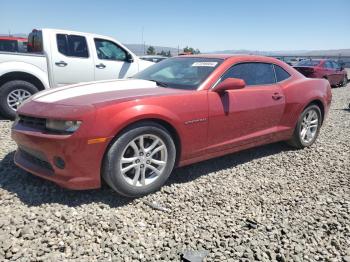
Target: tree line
[(187, 50)]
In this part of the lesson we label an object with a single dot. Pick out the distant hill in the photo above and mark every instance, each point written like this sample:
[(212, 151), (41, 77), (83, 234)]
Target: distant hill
[(140, 50), (334, 52), (337, 52), (15, 35)]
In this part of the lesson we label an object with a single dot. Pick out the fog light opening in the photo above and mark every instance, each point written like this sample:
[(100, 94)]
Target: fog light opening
[(59, 162)]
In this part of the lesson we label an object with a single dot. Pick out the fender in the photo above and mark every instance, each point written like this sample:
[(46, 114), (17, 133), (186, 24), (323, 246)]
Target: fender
[(133, 114), (136, 113), (22, 67), (319, 94), (296, 103)]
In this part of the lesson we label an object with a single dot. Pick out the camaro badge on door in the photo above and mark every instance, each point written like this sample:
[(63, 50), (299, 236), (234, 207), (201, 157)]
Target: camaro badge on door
[(195, 121)]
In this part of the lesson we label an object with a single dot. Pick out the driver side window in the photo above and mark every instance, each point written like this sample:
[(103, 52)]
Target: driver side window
[(328, 65), (107, 50), (252, 73), (336, 66)]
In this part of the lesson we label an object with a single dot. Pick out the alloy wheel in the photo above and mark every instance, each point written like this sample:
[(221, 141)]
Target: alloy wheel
[(309, 126), (143, 160)]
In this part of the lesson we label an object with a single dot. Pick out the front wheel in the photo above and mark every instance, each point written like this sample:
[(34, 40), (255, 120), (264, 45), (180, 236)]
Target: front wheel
[(307, 128), (140, 160), (13, 94)]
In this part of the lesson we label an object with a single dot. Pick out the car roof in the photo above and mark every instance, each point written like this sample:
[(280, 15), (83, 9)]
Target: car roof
[(218, 56), (247, 57)]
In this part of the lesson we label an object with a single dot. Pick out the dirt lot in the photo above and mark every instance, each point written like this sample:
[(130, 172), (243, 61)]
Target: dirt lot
[(268, 203)]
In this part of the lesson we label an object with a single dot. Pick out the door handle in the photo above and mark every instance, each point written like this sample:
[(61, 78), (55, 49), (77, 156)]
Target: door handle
[(61, 63), (277, 96), (100, 66)]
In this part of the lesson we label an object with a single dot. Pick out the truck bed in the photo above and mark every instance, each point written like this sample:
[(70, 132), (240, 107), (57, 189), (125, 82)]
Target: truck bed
[(38, 60)]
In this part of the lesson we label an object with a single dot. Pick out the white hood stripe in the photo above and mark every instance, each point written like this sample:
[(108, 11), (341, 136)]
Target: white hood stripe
[(63, 93)]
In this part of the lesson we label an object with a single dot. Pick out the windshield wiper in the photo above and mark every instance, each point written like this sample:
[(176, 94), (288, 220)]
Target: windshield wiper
[(162, 84)]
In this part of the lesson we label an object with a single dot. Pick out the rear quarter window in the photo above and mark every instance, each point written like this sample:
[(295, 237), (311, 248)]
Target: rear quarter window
[(281, 74)]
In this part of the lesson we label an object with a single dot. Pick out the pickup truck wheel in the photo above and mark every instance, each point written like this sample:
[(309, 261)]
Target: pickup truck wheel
[(140, 160), (307, 128), (12, 95)]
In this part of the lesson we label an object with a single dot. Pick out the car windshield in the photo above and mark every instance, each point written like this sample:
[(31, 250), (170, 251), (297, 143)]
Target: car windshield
[(180, 72), (308, 63)]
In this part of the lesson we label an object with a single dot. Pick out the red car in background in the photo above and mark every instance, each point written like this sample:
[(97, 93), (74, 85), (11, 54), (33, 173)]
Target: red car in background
[(182, 110), (13, 44), (323, 68)]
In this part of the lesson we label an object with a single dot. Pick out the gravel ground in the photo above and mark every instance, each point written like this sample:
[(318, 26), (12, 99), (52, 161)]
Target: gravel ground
[(268, 203)]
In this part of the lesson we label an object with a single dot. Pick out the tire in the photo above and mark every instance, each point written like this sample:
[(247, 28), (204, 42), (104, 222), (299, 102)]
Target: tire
[(9, 91), (344, 82), (128, 183), (297, 139)]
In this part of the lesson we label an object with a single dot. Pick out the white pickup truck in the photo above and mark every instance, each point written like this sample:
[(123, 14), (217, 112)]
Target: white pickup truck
[(59, 57)]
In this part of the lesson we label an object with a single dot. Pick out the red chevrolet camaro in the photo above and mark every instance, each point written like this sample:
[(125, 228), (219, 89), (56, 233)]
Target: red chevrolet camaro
[(133, 132), (324, 68)]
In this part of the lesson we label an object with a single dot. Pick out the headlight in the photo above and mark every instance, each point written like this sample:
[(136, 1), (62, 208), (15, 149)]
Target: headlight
[(65, 126)]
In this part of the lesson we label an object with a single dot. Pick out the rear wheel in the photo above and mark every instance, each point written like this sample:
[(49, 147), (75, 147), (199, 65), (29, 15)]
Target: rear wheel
[(307, 128), (140, 160), (13, 94)]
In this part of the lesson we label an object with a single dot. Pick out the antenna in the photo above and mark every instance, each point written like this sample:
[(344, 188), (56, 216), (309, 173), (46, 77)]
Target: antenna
[(142, 42)]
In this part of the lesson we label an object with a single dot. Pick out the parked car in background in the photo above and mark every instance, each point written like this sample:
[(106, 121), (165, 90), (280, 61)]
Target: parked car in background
[(324, 68), (153, 58), (294, 61), (59, 57), (13, 44), (183, 110)]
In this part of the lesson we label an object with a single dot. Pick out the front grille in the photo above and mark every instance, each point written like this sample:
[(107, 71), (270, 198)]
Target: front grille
[(33, 122), (34, 159)]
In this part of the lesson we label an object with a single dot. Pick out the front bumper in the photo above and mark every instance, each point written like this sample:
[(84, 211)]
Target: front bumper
[(37, 152)]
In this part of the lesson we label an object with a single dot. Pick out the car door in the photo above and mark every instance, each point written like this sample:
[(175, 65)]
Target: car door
[(72, 61), (248, 115), (330, 72), (339, 75), (112, 61)]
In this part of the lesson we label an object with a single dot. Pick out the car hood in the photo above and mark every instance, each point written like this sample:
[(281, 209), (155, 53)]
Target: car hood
[(143, 64), (101, 92)]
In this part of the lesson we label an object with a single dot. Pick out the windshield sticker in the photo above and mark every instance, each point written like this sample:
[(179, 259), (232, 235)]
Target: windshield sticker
[(208, 64)]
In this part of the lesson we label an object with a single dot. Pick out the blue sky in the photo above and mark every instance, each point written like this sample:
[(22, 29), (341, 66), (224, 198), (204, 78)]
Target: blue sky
[(207, 25)]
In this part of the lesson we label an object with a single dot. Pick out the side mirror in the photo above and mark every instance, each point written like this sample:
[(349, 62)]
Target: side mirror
[(230, 84), (129, 58)]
